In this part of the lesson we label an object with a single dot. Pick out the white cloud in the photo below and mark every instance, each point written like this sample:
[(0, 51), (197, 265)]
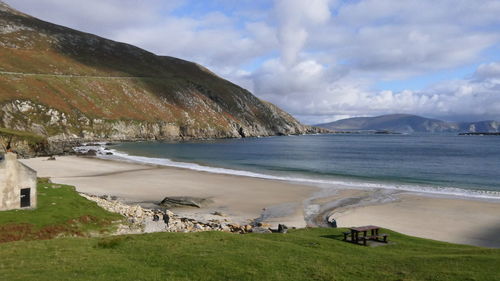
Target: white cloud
[(317, 59), (96, 16), (295, 17)]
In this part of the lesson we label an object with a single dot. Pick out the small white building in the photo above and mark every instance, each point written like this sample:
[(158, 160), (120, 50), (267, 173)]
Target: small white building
[(17, 184)]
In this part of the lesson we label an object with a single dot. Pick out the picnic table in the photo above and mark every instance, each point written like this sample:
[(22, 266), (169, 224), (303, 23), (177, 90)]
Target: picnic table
[(374, 234)]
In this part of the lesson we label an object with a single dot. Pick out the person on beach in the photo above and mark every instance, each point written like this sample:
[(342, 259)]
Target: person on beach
[(333, 222), (166, 218)]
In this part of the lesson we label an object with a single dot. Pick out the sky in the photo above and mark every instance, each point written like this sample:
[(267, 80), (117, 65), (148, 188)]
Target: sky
[(320, 60)]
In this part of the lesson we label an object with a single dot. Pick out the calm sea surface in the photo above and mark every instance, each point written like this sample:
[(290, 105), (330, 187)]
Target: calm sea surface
[(445, 163)]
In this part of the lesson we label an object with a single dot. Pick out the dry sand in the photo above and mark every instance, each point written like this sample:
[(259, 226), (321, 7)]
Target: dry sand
[(241, 198), (473, 222), (453, 220)]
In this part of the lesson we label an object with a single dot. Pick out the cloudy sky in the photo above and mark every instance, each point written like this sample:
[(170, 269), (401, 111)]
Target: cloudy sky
[(320, 60)]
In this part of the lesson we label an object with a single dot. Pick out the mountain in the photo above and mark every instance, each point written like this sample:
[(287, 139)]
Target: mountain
[(66, 84), (409, 123)]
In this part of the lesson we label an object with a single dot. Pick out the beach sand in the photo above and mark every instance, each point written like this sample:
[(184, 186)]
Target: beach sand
[(474, 222), (241, 198)]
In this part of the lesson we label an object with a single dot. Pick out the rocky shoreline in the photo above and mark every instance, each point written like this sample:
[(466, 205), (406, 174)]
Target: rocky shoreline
[(142, 220)]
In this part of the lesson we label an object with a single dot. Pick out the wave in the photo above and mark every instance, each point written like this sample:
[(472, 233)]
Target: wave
[(322, 183)]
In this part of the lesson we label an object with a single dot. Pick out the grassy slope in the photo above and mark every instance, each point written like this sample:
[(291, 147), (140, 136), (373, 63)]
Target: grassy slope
[(306, 254), (29, 137), (60, 211)]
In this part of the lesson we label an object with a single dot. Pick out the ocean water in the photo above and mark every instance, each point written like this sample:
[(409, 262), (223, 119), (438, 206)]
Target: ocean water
[(435, 163)]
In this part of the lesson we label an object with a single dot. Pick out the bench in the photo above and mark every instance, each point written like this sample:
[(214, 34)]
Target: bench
[(345, 235), (383, 235), (374, 237)]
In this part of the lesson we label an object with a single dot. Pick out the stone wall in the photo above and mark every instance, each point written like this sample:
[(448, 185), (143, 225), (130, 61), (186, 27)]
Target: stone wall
[(15, 176)]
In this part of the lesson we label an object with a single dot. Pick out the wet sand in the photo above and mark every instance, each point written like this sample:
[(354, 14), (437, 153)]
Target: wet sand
[(474, 222)]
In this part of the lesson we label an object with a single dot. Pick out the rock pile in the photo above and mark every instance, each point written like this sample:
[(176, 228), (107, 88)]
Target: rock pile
[(142, 220)]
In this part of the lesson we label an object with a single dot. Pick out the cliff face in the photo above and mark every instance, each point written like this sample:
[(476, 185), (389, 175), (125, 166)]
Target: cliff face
[(65, 84)]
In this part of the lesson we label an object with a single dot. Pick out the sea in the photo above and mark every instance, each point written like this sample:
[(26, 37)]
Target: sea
[(445, 164)]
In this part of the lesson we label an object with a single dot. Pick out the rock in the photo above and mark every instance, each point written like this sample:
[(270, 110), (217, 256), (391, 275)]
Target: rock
[(90, 152), (217, 213), (184, 201), (141, 220), (282, 228), (234, 225), (263, 224), (225, 228), (261, 230), (109, 153), (52, 158), (247, 228)]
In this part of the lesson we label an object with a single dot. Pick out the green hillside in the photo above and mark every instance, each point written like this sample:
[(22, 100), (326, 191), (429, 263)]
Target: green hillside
[(63, 83)]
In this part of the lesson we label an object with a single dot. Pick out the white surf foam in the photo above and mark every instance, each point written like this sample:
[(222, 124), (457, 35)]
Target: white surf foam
[(323, 183)]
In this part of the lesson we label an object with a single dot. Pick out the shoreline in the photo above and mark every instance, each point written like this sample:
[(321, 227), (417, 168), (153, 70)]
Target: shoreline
[(247, 199), (429, 190)]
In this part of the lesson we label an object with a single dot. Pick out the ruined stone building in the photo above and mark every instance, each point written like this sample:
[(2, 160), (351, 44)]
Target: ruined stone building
[(17, 184)]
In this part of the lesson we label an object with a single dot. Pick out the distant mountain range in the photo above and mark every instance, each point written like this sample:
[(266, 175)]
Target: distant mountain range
[(409, 123)]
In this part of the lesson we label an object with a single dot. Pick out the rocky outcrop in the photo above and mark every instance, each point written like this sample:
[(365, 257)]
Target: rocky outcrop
[(141, 220), (184, 201)]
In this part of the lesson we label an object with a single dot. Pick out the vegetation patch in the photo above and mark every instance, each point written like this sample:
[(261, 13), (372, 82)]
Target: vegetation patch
[(305, 254), (61, 211), (14, 135)]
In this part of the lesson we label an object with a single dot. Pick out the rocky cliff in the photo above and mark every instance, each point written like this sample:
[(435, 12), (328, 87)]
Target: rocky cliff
[(65, 84)]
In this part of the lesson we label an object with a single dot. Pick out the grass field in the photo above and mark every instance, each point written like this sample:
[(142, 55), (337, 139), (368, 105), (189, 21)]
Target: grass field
[(305, 254), (60, 212)]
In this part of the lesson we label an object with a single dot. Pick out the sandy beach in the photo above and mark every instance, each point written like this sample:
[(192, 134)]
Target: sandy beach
[(243, 199)]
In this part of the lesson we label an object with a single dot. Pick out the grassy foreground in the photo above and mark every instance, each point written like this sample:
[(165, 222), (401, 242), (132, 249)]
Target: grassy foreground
[(305, 254), (61, 211)]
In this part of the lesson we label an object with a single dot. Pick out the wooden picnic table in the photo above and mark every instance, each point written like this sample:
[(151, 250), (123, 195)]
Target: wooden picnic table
[(374, 234)]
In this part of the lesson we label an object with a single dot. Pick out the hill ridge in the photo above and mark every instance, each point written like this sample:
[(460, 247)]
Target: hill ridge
[(410, 123), (70, 85)]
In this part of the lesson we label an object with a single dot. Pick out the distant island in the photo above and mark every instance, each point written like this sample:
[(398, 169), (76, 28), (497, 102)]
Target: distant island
[(407, 123)]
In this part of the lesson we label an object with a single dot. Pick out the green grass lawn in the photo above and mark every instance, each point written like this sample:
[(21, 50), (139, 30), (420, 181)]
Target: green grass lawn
[(305, 254), (60, 211)]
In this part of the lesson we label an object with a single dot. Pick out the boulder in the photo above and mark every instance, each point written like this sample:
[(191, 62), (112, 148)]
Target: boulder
[(184, 201), (282, 228), (217, 213), (261, 230), (263, 224), (90, 152)]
